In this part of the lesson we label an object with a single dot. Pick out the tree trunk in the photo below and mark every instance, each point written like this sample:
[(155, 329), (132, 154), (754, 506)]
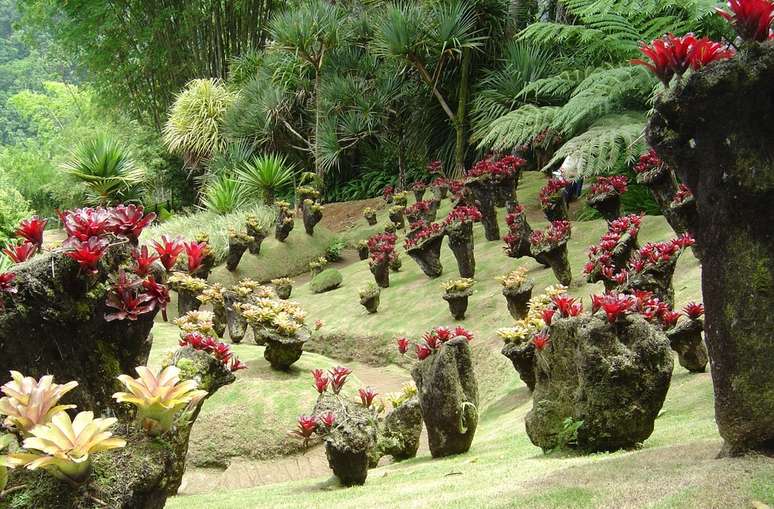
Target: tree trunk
[(460, 122)]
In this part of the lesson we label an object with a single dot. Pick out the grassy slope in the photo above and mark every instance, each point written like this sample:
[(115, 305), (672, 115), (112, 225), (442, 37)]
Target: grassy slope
[(674, 469)]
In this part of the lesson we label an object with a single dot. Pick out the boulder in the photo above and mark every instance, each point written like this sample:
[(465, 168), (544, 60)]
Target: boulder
[(327, 280)]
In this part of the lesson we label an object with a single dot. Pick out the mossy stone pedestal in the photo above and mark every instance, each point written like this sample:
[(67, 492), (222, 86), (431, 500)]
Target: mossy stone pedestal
[(219, 318), (237, 245), (311, 218), (427, 254), (607, 204), (281, 352), (518, 299), (400, 432), (458, 303), (522, 355), (187, 300), (462, 246), (381, 272), (283, 291), (370, 302), (685, 339), (237, 325), (556, 210), (485, 197), (558, 261)]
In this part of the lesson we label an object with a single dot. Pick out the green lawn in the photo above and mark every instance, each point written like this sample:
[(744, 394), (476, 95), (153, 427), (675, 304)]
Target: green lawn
[(674, 468)]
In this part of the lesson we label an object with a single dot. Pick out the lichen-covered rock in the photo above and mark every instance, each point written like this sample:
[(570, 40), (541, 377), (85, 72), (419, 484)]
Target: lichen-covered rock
[(458, 303), (370, 302), (522, 355), (237, 325), (558, 261), (685, 339), (400, 432), (461, 244), (55, 325), (327, 280), (427, 254), (141, 475), (350, 444), (281, 351), (518, 299), (448, 396), (485, 197), (381, 272), (612, 377)]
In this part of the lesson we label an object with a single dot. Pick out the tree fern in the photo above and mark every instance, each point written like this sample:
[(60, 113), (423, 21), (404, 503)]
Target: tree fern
[(555, 89), (518, 127), (602, 92), (603, 148)]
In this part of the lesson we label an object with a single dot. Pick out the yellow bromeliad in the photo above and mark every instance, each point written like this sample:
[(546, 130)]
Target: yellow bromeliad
[(63, 447), (29, 402), (159, 397)]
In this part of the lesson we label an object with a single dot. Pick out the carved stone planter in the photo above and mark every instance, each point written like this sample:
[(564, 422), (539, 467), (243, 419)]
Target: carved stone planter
[(371, 218), (381, 272), (281, 351), (658, 281), (608, 205), (522, 355), (485, 197), (427, 254), (371, 303), (219, 318), (461, 245), (362, 252), (685, 339), (448, 396), (312, 214), (284, 291), (458, 303), (237, 325), (237, 245), (518, 299), (187, 301), (557, 210), (258, 234), (557, 259), (397, 218)]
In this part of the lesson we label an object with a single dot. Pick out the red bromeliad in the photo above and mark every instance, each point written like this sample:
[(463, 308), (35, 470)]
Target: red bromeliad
[(669, 318), (387, 192), (682, 195), (422, 351), (567, 306), (321, 380), (460, 331), (168, 249), (127, 301), (609, 185), (32, 230), (616, 305), (129, 221), (339, 376), (435, 167), (83, 224), (88, 253), (159, 293), (19, 253), (143, 260), (219, 351), (306, 427), (547, 315), (705, 50), (382, 248), (552, 191), (235, 365), (403, 345), (432, 230), (327, 419), (463, 214), (694, 310), (195, 253), (552, 237), (418, 186), (648, 161), (540, 340), (367, 396), (750, 18), (504, 167)]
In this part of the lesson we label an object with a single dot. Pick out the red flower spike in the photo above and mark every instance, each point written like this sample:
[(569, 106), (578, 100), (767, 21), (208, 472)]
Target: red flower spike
[(751, 19), (307, 425), (168, 249), (567, 306), (218, 350), (129, 221), (540, 340), (669, 318), (705, 50), (443, 334), (321, 380), (143, 261), (235, 365), (19, 253), (694, 310), (327, 420), (367, 396), (403, 345), (159, 294), (195, 253), (89, 253), (548, 315), (616, 305), (32, 230), (423, 351), (338, 377), (460, 331)]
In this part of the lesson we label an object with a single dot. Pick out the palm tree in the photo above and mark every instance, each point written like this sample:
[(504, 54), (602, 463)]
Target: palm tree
[(107, 169), (264, 176)]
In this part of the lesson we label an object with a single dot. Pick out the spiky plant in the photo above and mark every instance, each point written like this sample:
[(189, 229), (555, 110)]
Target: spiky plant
[(224, 194), (264, 176), (194, 125), (107, 169), (29, 402), (160, 397), (63, 447)]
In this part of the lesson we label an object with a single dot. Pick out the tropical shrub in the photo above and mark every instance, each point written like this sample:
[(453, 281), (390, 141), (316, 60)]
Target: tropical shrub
[(224, 194), (13, 208), (265, 176)]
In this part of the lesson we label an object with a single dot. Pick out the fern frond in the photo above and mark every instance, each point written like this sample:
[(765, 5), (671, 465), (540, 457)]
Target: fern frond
[(603, 92), (518, 127), (607, 145), (557, 88)]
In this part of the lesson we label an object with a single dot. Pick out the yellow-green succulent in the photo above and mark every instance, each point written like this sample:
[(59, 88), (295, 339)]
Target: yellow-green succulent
[(29, 402)]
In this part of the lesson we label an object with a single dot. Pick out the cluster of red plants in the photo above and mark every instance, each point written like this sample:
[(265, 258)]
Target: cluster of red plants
[(195, 253), (462, 214), (423, 234), (19, 253), (381, 248), (557, 233), (514, 220), (440, 182), (308, 425), (367, 395), (418, 208), (418, 186), (751, 19), (656, 254), (143, 261), (552, 191), (609, 185), (30, 231), (168, 250), (387, 192), (682, 195), (334, 378), (456, 187), (670, 55), (131, 297), (220, 351), (435, 167), (7, 286), (601, 256), (433, 340), (504, 167), (648, 161)]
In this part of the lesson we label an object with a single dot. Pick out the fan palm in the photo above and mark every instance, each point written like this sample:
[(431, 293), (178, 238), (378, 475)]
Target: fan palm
[(265, 176), (106, 167)]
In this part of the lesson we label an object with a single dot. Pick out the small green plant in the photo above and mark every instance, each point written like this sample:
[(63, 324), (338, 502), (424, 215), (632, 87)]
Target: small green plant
[(408, 391), (265, 176), (514, 279), (318, 264), (223, 195), (369, 291), (458, 285), (334, 250), (568, 436)]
